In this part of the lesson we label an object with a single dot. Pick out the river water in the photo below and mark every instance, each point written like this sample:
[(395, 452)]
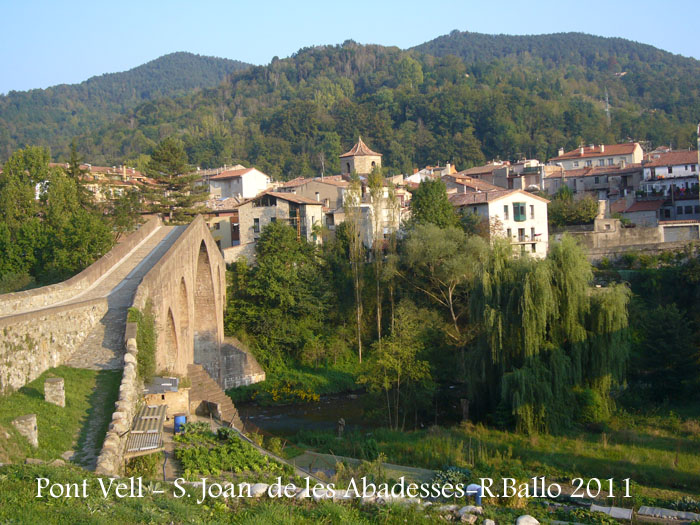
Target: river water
[(287, 420)]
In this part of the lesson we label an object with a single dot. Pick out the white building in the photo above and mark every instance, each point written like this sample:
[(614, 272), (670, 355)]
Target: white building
[(601, 155), (516, 215), (239, 182), (677, 169)]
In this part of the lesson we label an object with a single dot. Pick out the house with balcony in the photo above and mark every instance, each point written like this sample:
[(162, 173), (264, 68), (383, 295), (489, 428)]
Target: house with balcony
[(599, 156), (517, 215), (673, 177)]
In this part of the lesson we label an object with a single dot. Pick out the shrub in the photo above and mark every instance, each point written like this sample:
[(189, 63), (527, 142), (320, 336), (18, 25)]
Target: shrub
[(274, 445), (592, 409), (146, 466)]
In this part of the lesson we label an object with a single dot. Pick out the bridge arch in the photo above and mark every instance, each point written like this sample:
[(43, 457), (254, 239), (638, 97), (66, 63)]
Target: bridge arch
[(169, 357), (205, 325)]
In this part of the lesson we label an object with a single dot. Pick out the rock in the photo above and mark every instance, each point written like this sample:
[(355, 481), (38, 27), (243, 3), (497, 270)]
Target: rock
[(303, 494), (57, 463), (468, 518), (33, 461), (526, 519), (68, 455), (488, 522), (259, 489), (470, 509), (320, 494), (443, 509), (129, 358)]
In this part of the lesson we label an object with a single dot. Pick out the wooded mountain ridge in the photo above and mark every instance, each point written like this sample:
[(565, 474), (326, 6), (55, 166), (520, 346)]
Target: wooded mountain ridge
[(461, 98)]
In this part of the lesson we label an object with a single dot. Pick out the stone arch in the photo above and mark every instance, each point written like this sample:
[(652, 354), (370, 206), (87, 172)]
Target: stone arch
[(183, 308), (170, 345), (205, 313)]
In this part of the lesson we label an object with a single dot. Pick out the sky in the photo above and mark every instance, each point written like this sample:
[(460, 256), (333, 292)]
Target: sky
[(49, 42)]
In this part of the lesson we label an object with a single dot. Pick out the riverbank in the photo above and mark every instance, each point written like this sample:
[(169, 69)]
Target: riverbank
[(294, 384)]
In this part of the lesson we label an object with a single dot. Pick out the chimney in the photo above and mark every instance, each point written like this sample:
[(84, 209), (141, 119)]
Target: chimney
[(464, 188), (448, 168), (581, 151), (318, 197), (602, 148), (124, 173), (560, 152)]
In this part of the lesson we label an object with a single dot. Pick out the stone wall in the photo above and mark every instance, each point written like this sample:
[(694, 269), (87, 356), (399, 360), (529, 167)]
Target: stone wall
[(238, 366), (233, 253), (47, 295), (111, 459), (32, 343)]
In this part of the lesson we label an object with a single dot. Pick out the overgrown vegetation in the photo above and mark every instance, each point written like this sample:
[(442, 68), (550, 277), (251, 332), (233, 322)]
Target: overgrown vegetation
[(564, 210), (145, 339), (60, 429), (204, 453)]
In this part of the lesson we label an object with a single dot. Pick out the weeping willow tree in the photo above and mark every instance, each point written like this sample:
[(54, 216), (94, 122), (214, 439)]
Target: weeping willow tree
[(544, 332)]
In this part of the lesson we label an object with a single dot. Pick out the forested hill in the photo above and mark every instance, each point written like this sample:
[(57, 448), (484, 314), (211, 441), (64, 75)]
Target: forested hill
[(516, 96), (53, 116), (632, 72)]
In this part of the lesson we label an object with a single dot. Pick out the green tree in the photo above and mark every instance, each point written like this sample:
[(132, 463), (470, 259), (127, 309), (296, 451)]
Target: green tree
[(179, 192), (395, 368), (353, 214), (429, 204)]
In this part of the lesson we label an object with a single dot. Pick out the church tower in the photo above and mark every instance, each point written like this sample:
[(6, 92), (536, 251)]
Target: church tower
[(360, 159)]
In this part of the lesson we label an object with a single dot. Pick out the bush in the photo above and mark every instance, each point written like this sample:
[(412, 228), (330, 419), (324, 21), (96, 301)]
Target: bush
[(592, 409), (274, 445), (146, 466)]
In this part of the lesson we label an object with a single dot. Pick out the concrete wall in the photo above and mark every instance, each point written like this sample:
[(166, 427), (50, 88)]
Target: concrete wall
[(32, 343), (48, 295)]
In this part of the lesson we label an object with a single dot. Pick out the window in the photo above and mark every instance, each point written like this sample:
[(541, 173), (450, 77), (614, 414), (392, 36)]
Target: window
[(589, 163), (273, 219), (505, 212), (533, 247), (670, 170), (697, 209), (532, 211), (256, 225), (521, 234), (667, 213), (575, 164), (601, 162), (519, 211), (693, 167), (611, 161), (509, 233), (688, 210), (679, 210), (347, 165), (596, 180)]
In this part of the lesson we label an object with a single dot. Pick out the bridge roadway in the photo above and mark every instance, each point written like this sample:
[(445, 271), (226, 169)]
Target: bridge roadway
[(103, 347)]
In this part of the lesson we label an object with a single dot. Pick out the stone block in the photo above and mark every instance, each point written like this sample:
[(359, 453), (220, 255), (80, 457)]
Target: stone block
[(54, 391), (26, 426)]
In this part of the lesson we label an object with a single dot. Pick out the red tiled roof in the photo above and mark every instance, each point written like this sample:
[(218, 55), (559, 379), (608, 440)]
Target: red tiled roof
[(475, 184), (645, 206), (478, 170), (609, 149), (672, 158), (294, 183), (619, 206), (291, 197), (360, 149), (480, 197), (231, 174)]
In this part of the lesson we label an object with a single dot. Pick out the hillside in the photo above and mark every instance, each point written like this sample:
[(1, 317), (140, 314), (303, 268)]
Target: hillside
[(462, 98), (632, 72), (53, 116)]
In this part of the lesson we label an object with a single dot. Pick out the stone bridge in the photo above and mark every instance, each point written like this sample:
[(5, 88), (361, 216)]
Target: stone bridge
[(81, 322)]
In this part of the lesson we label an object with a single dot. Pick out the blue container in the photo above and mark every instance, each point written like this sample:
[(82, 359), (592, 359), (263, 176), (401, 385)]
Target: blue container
[(180, 419)]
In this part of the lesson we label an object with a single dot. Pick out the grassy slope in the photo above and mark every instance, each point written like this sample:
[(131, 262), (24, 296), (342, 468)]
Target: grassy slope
[(661, 454), (60, 429)]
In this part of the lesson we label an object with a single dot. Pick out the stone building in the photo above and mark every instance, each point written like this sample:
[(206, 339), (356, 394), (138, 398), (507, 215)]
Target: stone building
[(360, 159), (238, 182), (601, 155)]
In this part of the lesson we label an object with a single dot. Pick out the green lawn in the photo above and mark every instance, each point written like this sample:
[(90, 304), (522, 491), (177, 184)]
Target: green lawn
[(60, 429), (660, 453)]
